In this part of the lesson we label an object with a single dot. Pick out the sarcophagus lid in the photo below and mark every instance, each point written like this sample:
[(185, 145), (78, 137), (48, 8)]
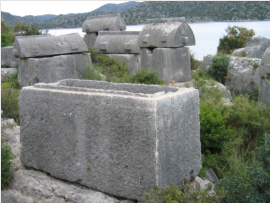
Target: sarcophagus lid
[(45, 45), (166, 32), (117, 42), (112, 22)]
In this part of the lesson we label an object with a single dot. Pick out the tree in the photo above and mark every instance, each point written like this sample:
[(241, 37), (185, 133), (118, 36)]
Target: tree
[(236, 38), (25, 29)]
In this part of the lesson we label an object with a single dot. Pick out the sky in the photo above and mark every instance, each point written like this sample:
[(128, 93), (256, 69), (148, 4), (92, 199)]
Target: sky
[(23, 8)]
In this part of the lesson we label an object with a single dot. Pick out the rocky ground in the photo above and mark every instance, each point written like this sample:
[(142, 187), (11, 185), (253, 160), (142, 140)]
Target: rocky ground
[(31, 186)]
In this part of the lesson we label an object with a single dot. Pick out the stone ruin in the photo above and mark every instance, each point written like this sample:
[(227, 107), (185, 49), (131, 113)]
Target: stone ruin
[(94, 24), (45, 58), (160, 46), (121, 139), (9, 63)]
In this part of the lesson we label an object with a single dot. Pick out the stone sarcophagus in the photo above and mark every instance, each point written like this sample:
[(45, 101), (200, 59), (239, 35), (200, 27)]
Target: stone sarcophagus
[(121, 139), (50, 58)]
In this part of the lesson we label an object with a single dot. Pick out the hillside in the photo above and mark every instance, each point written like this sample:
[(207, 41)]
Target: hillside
[(198, 11), (135, 13)]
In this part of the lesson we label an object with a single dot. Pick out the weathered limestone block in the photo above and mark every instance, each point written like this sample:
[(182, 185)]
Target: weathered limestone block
[(166, 32), (206, 62), (7, 57), (170, 63), (121, 139), (264, 90), (52, 69), (242, 76), (90, 39), (117, 42), (47, 45), (131, 60), (112, 22), (255, 47), (7, 72)]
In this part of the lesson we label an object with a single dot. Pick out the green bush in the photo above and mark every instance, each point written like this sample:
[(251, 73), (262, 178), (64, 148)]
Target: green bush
[(6, 165), (251, 182), (173, 194), (26, 29), (5, 41), (10, 90), (236, 38), (219, 67), (94, 55), (146, 77), (194, 62)]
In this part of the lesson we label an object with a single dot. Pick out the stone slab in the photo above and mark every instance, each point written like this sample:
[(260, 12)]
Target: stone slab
[(7, 57), (7, 72), (169, 34), (170, 63), (131, 60), (48, 45), (112, 22), (117, 42), (121, 139), (52, 69), (90, 39)]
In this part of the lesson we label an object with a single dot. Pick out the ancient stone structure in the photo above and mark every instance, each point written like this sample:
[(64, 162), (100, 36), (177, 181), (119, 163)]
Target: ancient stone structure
[(50, 58), (7, 58), (121, 139), (94, 24), (264, 90)]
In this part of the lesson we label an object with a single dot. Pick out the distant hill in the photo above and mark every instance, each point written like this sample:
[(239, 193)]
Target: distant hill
[(198, 11), (135, 13)]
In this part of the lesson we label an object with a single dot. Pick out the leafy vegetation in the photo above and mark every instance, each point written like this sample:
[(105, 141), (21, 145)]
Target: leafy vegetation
[(219, 67), (25, 29), (6, 165), (194, 62), (7, 37), (236, 38)]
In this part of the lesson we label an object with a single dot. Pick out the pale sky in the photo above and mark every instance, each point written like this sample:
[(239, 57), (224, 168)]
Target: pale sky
[(23, 8)]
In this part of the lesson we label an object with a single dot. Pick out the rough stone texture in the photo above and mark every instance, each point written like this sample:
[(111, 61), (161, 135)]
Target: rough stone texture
[(7, 57), (131, 60), (52, 69), (264, 90), (242, 75), (90, 39), (211, 176), (170, 63), (206, 62), (112, 22), (47, 45), (204, 183), (117, 42), (7, 72), (166, 33), (121, 139), (29, 186), (255, 47)]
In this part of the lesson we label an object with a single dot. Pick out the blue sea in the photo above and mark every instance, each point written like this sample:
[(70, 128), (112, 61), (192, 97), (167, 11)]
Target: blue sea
[(207, 35)]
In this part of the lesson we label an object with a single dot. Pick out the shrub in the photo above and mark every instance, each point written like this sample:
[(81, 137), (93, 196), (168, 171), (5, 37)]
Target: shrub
[(5, 41), (194, 62), (236, 38), (173, 194), (90, 73), (10, 90), (6, 165), (219, 67), (250, 183), (94, 54), (146, 77), (25, 29)]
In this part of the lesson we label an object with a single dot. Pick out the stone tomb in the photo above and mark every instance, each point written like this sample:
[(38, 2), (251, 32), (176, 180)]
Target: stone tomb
[(94, 24), (121, 139), (50, 58)]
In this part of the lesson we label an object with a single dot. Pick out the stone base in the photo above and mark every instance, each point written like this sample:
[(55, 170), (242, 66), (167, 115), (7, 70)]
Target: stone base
[(90, 39), (131, 60), (7, 57), (7, 72)]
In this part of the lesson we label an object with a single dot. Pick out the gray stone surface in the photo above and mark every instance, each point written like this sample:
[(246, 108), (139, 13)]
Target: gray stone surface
[(204, 183), (206, 62), (166, 33), (211, 176), (52, 69), (255, 47), (264, 90), (117, 42), (131, 60), (170, 63), (7, 72), (242, 76), (46, 45), (112, 22), (121, 139), (7, 57), (90, 39)]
